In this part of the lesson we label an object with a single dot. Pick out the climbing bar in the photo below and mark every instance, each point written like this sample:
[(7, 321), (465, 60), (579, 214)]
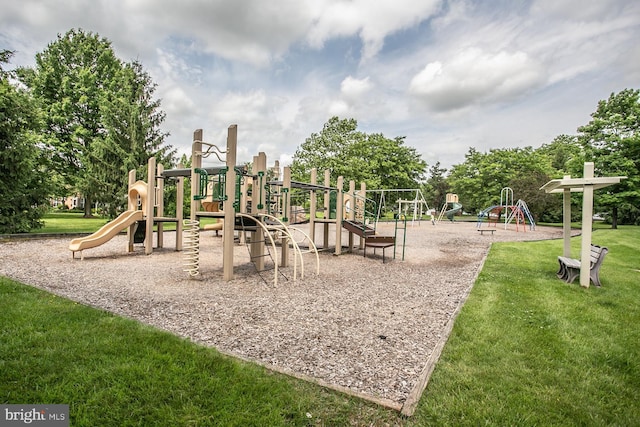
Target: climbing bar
[(212, 149)]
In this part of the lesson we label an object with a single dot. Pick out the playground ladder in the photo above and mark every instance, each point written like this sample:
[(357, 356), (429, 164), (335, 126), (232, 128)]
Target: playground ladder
[(402, 220)]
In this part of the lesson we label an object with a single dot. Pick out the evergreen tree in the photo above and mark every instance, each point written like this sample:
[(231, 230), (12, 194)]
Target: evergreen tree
[(437, 186), (132, 119)]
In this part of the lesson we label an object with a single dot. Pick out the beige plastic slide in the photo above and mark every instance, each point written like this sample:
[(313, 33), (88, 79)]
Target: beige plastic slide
[(107, 232)]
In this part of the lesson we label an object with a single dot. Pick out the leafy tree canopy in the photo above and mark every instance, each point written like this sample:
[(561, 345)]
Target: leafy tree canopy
[(612, 141), (479, 180), (380, 162), (565, 154), (437, 186), (24, 181)]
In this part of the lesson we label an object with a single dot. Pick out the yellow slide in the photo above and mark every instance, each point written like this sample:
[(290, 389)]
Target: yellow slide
[(107, 232)]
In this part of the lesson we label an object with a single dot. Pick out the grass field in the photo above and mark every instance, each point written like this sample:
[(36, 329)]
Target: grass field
[(70, 222), (527, 349)]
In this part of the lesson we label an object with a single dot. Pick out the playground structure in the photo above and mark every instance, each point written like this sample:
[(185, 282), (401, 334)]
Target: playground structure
[(252, 206), (145, 209), (450, 207), (257, 205), (241, 203), (508, 210)]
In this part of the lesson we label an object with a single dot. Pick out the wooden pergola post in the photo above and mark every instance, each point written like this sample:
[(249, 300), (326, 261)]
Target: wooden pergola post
[(587, 223)]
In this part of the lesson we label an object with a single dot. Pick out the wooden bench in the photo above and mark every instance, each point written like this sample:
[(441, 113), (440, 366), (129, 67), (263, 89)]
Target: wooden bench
[(483, 230), (570, 267)]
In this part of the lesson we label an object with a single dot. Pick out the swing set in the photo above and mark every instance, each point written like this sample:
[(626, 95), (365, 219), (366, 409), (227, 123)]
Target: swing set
[(410, 202)]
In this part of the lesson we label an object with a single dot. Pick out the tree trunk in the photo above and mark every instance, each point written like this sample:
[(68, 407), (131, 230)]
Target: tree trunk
[(87, 207), (614, 218)]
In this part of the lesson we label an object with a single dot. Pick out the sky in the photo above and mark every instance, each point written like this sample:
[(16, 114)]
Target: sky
[(445, 74)]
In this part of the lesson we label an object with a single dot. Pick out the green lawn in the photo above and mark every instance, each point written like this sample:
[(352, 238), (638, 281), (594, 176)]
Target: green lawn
[(70, 222), (527, 349)]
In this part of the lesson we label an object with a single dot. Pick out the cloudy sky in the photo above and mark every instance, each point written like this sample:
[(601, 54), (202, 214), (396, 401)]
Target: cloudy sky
[(447, 75)]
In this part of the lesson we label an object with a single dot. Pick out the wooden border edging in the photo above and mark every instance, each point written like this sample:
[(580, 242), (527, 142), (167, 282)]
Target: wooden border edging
[(410, 405), (387, 403)]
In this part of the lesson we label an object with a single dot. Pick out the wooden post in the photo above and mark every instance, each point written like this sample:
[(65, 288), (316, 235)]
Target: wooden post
[(327, 209), (229, 211), (587, 222), (196, 162), (257, 245)]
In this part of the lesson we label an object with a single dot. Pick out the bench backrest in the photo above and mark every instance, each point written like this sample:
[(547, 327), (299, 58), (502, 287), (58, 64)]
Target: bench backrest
[(597, 254)]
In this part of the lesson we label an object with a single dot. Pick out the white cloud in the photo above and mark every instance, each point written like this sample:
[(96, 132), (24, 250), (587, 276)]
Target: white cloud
[(447, 75), (241, 108), (352, 89), (577, 10), (371, 21), (250, 31), (473, 77), (177, 103), (339, 108)]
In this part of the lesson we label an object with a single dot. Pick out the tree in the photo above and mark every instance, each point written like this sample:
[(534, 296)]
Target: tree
[(326, 150), (612, 141), (543, 206), (99, 115), (564, 153), (24, 183), (479, 180), (380, 162), (132, 119), (437, 186)]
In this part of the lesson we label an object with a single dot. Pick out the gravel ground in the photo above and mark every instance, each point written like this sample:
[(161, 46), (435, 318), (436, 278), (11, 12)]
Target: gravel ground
[(360, 325)]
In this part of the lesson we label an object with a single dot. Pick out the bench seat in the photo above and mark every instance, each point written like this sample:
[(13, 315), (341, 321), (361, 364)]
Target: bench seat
[(484, 230)]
